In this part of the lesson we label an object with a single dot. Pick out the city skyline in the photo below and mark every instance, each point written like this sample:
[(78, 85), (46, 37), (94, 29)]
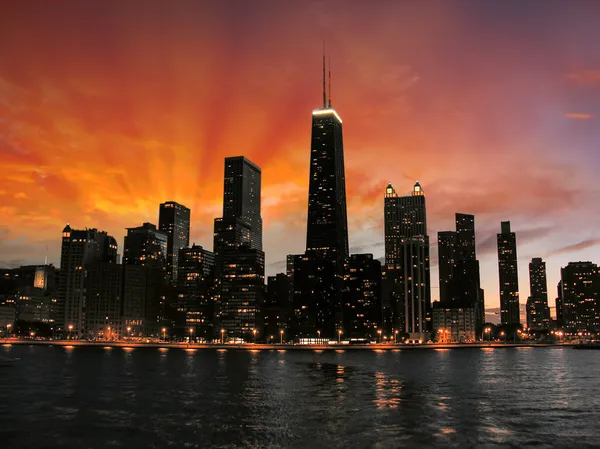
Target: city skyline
[(51, 121)]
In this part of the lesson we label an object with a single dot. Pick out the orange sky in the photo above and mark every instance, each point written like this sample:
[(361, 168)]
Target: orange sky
[(107, 110)]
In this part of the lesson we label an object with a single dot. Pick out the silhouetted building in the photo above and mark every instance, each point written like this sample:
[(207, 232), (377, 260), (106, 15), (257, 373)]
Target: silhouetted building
[(230, 234), (241, 196), (174, 221), (509, 276), (407, 261), (145, 286), (195, 293), (558, 303), (327, 225), (538, 312), (79, 248), (278, 306), (103, 306), (36, 291), (581, 298), (362, 308)]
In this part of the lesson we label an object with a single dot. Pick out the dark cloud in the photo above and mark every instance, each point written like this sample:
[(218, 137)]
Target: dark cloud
[(574, 247)]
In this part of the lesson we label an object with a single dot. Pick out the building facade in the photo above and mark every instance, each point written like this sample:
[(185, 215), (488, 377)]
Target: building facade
[(174, 221), (407, 262), (538, 312), (508, 275), (580, 283)]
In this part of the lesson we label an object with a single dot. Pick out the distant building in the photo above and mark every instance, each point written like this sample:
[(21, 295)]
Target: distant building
[(195, 291), (79, 249), (407, 261), (580, 298), (174, 221), (362, 307), (538, 312), (509, 276)]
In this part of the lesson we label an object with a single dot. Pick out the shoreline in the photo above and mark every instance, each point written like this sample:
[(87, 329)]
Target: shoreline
[(276, 347)]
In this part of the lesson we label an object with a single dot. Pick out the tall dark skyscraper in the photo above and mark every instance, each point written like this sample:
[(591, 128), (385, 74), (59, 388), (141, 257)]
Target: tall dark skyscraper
[(79, 249), (407, 261), (239, 259), (580, 282), (174, 221), (241, 195), (446, 260), (327, 227), (509, 276), (538, 312)]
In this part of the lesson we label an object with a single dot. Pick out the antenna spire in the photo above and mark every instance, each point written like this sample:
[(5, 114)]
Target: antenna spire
[(324, 89), (329, 105)]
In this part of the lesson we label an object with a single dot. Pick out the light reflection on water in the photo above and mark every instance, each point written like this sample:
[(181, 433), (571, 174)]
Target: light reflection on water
[(453, 398)]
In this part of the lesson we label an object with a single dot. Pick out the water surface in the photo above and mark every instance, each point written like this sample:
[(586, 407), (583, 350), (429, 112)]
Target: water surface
[(55, 397)]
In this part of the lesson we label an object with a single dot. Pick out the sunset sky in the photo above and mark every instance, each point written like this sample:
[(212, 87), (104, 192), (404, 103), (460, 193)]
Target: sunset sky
[(109, 108)]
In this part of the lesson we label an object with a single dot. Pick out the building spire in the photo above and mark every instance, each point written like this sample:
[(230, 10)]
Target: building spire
[(329, 104), (324, 89)]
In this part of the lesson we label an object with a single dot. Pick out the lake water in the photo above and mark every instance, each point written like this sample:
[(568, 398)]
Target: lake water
[(55, 397)]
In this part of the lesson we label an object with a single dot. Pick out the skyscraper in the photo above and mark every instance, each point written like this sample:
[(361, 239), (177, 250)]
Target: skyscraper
[(446, 261), (327, 226), (538, 312), (174, 221), (407, 261), (580, 297), (509, 276), (241, 195), (79, 248), (239, 259)]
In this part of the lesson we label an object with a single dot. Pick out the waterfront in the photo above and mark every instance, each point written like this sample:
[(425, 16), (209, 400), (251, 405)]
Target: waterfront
[(91, 397)]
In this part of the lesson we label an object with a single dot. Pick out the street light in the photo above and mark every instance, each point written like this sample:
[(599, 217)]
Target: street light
[(8, 326), (339, 336), (164, 331), (281, 336), (222, 336), (271, 338), (129, 331), (254, 333), (396, 336), (191, 333), (488, 331), (379, 332), (70, 330), (318, 336), (502, 335)]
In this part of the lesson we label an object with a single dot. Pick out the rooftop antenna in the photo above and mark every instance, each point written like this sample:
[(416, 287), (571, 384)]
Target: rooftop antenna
[(46, 258), (329, 106), (324, 90)]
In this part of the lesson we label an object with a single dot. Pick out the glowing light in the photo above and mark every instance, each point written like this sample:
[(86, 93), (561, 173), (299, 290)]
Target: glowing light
[(127, 349), (163, 349), (327, 111), (108, 348)]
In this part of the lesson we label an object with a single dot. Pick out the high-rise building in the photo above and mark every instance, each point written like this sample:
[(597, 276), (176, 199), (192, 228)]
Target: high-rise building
[(144, 280), (79, 248), (558, 303), (580, 298), (509, 276), (174, 221), (538, 312), (239, 259), (327, 225), (465, 237), (242, 292), (362, 308), (195, 291), (407, 261)]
